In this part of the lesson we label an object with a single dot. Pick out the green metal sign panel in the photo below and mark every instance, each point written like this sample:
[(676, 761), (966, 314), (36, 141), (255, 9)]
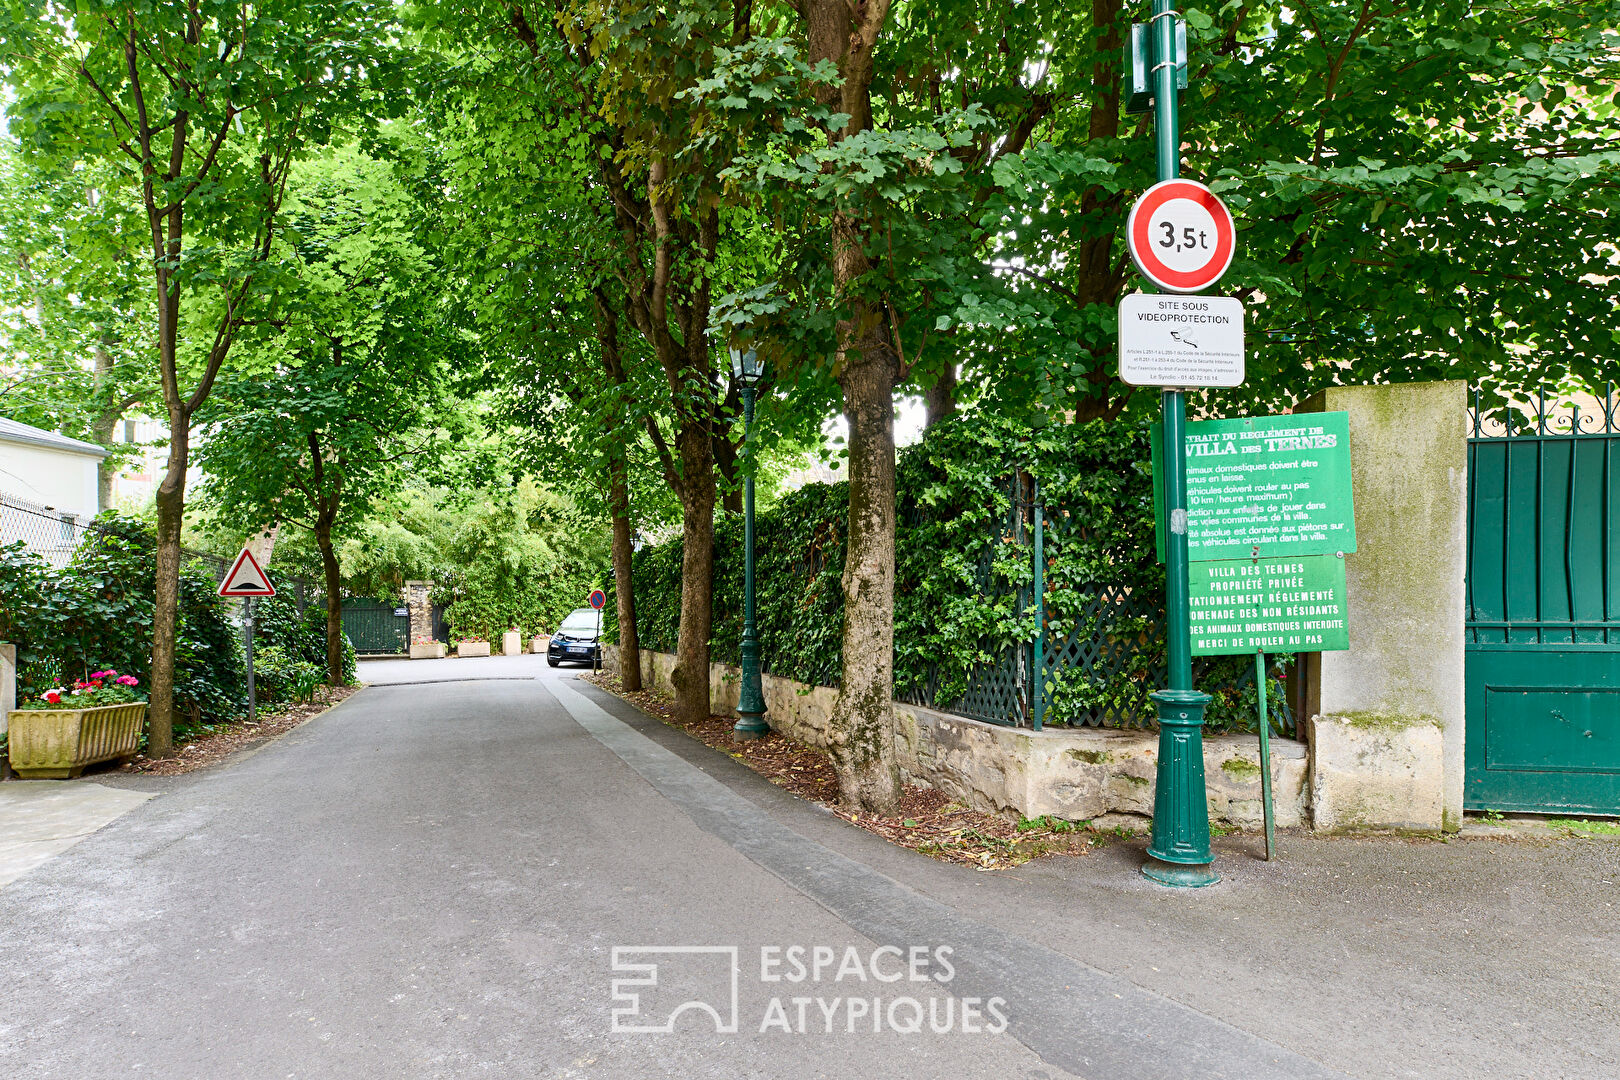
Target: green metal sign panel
[(1274, 605), (1277, 483)]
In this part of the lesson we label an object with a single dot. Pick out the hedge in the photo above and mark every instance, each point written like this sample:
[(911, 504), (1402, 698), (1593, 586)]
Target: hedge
[(964, 574), (96, 612)]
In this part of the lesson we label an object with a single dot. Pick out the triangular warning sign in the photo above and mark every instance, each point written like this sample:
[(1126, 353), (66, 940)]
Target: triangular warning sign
[(246, 579)]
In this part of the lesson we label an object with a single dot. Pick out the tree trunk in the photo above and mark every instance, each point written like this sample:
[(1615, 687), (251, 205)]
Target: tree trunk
[(940, 400), (102, 428), (334, 604), (691, 674), (862, 728), (623, 588), (171, 507), (868, 367), (726, 458)]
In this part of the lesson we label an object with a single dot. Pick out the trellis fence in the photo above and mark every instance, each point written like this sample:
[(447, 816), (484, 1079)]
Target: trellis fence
[(1096, 651)]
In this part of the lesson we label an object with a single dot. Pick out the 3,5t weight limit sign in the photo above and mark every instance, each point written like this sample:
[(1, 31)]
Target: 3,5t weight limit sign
[(1181, 236)]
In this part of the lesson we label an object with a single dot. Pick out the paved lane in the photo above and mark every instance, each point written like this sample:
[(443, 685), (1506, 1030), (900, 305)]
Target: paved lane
[(428, 881), (433, 879)]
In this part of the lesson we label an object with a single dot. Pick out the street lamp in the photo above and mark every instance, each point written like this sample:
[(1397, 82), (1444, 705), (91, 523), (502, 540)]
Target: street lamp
[(748, 369)]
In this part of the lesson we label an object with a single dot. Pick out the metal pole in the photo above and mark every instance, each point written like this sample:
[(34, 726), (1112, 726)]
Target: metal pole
[(1038, 711), (750, 696), (1179, 854), (1265, 757), (247, 640)]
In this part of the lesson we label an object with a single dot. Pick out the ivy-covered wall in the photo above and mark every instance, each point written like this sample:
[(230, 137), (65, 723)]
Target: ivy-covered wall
[(964, 604)]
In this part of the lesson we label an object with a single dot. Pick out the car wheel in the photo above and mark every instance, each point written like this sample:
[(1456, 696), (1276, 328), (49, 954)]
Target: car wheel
[(551, 661)]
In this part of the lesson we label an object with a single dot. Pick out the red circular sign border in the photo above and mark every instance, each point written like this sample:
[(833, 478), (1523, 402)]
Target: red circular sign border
[(1161, 275), (591, 599)]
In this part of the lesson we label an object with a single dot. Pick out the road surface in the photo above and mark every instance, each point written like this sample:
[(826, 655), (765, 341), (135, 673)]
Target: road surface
[(490, 868)]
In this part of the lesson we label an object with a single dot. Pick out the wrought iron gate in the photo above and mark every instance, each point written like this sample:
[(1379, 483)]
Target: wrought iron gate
[(375, 627), (1543, 633)]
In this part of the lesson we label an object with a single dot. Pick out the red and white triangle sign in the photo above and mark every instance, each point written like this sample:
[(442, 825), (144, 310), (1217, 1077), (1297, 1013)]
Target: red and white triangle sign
[(246, 578)]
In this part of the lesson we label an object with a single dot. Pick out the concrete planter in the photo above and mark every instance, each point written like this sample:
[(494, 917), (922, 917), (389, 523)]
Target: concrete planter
[(472, 648), (511, 643), (54, 744), (539, 643), (427, 650)]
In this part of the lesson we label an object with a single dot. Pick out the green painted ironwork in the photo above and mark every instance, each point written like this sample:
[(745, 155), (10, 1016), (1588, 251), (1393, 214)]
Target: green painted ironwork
[(375, 628), (1543, 606), (1037, 710), (1179, 854), (751, 697)]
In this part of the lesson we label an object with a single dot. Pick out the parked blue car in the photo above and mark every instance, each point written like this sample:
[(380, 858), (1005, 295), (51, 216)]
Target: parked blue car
[(577, 638)]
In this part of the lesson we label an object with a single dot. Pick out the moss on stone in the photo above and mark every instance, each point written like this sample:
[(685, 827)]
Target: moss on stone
[(1090, 757), (1382, 721), (1240, 769)]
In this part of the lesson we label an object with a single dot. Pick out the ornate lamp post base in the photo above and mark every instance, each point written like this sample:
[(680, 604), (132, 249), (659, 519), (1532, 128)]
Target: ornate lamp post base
[(1179, 855), (751, 697), (749, 726), (1179, 877)]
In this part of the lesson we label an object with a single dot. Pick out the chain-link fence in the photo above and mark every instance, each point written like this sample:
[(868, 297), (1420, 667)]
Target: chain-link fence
[(55, 535)]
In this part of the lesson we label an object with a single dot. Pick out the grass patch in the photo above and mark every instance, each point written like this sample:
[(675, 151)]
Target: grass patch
[(1582, 827)]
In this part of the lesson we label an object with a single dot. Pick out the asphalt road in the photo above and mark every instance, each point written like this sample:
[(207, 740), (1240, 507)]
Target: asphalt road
[(491, 868)]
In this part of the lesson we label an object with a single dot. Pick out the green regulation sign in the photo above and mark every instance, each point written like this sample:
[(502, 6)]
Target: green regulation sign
[(1274, 605), (1277, 483)]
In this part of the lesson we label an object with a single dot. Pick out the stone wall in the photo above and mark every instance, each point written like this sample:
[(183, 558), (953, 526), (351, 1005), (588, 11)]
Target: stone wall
[(1079, 774), (1396, 697), (1386, 717)]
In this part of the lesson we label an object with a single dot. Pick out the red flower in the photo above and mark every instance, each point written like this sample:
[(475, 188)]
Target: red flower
[(54, 698)]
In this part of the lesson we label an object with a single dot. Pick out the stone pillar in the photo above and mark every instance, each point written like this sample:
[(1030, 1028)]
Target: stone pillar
[(1386, 728), (8, 684), (419, 602)]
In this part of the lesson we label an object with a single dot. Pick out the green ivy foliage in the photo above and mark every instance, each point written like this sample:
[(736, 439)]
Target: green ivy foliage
[(964, 575), (300, 638), (96, 612), (281, 677)]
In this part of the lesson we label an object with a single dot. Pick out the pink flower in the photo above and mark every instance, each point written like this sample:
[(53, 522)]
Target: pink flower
[(127, 680)]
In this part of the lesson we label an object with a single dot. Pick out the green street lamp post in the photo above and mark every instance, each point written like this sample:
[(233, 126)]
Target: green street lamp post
[(1179, 854), (748, 369)]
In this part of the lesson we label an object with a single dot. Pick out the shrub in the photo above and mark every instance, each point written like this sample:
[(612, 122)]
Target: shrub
[(277, 623), (283, 678), (96, 612), (106, 687)]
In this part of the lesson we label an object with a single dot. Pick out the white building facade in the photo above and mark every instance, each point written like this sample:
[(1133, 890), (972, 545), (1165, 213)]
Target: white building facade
[(48, 469)]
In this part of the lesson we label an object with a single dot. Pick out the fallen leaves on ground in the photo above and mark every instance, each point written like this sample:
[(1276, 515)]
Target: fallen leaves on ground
[(219, 741), (928, 822)]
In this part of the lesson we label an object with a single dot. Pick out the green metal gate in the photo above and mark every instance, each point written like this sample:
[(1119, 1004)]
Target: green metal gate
[(375, 627), (1543, 635)]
